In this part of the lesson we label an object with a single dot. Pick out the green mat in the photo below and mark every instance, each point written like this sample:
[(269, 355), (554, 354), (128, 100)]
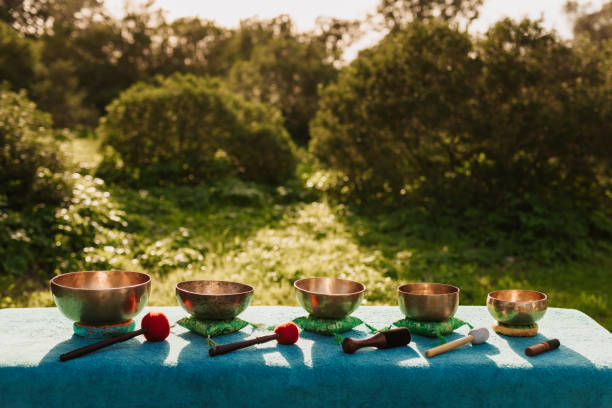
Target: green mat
[(212, 328), (432, 329), (327, 327)]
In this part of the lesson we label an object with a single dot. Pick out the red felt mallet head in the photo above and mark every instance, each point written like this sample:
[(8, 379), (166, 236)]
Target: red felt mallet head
[(157, 325), (288, 333)]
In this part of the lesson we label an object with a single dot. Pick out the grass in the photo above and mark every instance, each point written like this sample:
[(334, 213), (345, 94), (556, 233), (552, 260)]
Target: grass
[(270, 238)]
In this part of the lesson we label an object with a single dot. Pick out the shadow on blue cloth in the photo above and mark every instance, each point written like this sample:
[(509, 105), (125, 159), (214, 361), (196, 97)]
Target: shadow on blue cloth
[(479, 353), (197, 349), (133, 349), (559, 357), (324, 347), (345, 380)]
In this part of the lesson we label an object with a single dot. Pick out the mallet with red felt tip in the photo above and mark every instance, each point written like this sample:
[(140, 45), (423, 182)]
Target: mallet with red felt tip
[(286, 333), (155, 327)]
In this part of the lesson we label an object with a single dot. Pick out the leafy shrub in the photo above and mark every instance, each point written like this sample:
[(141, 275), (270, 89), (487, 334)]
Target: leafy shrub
[(91, 230), (17, 58), (30, 159), (386, 122), (46, 240), (509, 134), (47, 218), (189, 130), (30, 185)]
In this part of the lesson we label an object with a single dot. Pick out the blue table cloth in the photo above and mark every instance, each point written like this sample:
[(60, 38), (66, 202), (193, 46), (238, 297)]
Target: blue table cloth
[(179, 372)]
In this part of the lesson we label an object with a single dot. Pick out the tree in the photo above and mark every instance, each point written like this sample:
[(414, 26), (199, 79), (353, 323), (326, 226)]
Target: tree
[(544, 112), (398, 114), (85, 57), (510, 134), (34, 18), (286, 74), (17, 58), (519, 114), (337, 35), (191, 45), (285, 69), (57, 92), (397, 13), (87, 63), (597, 26), (47, 64)]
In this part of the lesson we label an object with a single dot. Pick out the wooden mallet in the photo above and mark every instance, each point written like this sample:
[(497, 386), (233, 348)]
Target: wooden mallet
[(542, 347), (286, 333), (381, 340), (155, 327), (475, 336)]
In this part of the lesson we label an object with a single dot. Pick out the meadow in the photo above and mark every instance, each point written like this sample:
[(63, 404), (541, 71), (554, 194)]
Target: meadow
[(269, 237)]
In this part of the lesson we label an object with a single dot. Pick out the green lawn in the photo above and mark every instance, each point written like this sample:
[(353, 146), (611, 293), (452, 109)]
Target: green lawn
[(269, 239)]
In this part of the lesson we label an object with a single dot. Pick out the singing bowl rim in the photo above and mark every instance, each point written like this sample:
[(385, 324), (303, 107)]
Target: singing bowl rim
[(456, 290), (295, 285), (54, 280), (544, 296), (246, 292)]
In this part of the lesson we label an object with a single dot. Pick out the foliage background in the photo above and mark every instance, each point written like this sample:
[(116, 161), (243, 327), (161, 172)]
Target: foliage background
[(193, 151)]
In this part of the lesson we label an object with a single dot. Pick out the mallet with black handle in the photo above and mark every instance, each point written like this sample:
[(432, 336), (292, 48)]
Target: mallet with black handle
[(382, 340)]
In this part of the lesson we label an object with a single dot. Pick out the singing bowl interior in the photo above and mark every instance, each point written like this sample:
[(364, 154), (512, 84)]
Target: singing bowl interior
[(216, 300), (517, 306), (101, 297), (330, 298), (429, 302)]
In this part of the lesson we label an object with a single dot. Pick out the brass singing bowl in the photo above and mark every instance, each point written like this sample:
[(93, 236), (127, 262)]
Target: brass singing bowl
[(517, 306), (213, 300), (329, 298), (101, 297), (428, 302)]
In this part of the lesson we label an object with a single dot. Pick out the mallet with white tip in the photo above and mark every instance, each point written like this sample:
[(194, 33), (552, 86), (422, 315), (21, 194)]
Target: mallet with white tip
[(476, 336)]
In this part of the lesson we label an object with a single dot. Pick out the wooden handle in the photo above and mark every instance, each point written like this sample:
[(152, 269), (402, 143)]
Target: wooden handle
[(349, 345), (226, 348), (542, 347), (96, 346), (449, 346)]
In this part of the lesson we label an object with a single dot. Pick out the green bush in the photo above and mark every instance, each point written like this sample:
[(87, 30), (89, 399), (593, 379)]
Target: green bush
[(31, 183), (29, 155), (186, 129), (83, 233), (48, 218), (17, 58), (508, 134), (386, 122)]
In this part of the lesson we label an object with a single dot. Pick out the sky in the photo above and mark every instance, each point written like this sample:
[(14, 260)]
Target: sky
[(228, 13)]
